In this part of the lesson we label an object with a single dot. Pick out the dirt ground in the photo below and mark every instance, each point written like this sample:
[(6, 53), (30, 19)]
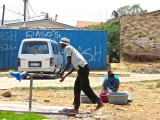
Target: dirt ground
[(146, 104), (136, 67)]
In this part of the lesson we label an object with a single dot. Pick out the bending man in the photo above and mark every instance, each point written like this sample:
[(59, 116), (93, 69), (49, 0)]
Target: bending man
[(82, 81)]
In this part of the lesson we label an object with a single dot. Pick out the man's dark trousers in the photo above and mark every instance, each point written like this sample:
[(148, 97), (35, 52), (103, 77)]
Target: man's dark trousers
[(82, 83)]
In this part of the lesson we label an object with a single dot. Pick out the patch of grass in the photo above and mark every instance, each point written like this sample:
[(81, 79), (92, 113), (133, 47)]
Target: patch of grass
[(140, 84), (150, 87), (46, 88), (156, 92), (145, 81), (7, 115), (22, 88), (97, 88), (15, 95), (61, 88), (72, 88), (54, 88)]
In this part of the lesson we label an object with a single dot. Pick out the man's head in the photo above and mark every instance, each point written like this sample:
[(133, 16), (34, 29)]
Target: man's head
[(64, 42), (111, 76)]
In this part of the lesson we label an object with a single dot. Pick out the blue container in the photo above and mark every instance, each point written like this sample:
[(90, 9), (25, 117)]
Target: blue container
[(91, 44)]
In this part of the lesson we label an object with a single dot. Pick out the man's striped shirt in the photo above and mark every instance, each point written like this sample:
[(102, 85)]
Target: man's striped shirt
[(76, 58)]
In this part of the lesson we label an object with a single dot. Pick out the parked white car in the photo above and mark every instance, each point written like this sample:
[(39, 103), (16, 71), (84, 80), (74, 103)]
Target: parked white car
[(39, 55)]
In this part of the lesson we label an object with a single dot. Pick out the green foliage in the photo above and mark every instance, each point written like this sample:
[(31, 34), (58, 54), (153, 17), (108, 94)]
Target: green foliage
[(6, 115), (114, 42), (101, 26)]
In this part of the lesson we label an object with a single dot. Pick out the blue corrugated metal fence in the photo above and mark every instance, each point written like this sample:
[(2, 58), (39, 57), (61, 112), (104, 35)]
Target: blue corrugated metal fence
[(91, 44)]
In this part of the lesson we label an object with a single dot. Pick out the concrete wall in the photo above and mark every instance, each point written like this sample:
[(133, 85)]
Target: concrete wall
[(140, 36)]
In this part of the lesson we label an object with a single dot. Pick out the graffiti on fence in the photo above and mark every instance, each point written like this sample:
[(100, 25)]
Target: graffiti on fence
[(52, 34), (91, 54)]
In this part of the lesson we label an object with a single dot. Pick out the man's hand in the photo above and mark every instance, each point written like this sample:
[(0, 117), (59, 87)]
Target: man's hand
[(62, 79)]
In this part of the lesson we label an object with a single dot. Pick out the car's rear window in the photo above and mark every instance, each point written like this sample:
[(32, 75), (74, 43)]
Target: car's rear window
[(35, 47)]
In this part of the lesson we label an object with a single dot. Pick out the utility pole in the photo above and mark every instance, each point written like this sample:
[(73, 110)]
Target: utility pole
[(3, 15), (25, 7)]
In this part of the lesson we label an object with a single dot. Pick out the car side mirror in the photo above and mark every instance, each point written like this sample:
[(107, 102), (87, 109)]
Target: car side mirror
[(62, 53)]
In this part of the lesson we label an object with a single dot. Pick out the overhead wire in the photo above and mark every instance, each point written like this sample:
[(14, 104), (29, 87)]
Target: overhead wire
[(13, 15), (36, 16), (20, 13), (12, 11), (28, 12), (19, 8), (32, 9)]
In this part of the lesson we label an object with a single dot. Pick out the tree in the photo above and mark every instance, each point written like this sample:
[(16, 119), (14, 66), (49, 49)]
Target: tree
[(132, 10), (135, 9), (123, 10), (113, 28)]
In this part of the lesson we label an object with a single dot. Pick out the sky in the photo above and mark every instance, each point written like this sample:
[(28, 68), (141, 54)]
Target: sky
[(71, 11)]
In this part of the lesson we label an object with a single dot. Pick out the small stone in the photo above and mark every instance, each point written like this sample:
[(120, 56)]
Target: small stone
[(131, 88), (123, 109), (140, 105), (6, 94), (46, 100), (34, 99), (133, 71), (158, 85)]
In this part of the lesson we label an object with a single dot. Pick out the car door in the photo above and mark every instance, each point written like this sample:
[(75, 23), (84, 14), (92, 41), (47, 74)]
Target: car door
[(55, 54), (59, 57)]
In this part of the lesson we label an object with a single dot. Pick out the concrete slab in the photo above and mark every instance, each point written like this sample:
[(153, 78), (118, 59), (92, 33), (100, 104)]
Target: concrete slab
[(35, 109)]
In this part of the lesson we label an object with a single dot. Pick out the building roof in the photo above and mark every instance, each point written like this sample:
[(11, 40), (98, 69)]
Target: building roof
[(153, 13), (81, 24), (44, 23)]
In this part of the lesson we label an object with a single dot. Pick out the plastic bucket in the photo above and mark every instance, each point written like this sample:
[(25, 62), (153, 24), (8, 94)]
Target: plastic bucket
[(104, 97), (118, 98), (85, 99)]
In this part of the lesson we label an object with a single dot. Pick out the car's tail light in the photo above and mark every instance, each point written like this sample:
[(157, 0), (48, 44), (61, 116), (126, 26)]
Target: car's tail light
[(19, 62), (51, 61)]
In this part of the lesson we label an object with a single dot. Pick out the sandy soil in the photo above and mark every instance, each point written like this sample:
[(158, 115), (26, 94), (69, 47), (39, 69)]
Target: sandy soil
[(137, 67), (146, 104)]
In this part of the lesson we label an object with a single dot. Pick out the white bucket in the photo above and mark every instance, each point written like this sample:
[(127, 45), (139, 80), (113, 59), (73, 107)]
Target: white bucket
[(85, 99)]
